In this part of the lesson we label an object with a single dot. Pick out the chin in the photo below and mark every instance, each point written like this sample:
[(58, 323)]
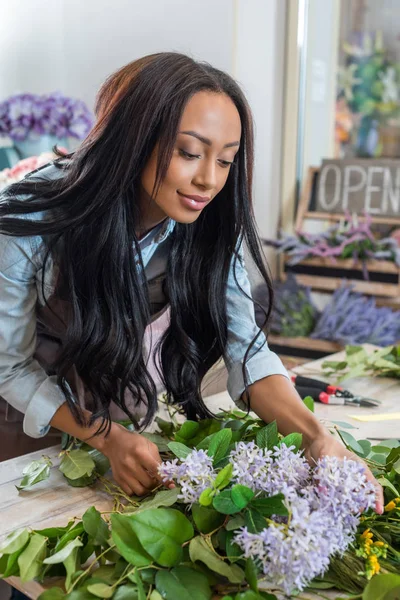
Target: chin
[(184, 216)]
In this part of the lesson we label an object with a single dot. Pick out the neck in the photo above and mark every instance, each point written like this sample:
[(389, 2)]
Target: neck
[(151, 215)]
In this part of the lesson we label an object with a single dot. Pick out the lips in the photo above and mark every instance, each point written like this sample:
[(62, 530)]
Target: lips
[(195, 198), (193, 201)]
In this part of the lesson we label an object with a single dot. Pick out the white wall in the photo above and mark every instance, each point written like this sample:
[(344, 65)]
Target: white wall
[(72, 45)]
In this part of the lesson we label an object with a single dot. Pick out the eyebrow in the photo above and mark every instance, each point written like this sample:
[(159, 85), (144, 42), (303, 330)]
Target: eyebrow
[(206, 140)]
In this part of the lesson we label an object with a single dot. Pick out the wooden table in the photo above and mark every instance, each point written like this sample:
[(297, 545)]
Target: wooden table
[(53, 502)]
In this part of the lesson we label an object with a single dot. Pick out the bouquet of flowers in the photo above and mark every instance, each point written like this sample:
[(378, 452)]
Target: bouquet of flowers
[(248, 518), (32, 115)]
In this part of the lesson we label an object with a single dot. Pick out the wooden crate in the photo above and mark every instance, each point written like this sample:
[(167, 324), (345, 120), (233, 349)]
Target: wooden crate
[(303, 347), (324, 274)]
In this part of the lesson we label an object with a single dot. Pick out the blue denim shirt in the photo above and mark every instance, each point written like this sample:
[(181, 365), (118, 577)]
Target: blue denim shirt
[(25, 384)]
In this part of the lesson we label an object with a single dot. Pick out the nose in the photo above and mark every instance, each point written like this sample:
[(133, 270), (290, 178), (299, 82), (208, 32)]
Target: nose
[(206, 175)]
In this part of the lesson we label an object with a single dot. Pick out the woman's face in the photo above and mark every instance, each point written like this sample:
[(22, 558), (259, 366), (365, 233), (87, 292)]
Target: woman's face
[(207, 142)]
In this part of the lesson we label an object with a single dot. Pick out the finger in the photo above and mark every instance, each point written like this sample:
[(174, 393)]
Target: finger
[(126, 488), (151, 465), (378, 492), (149, 481), (138, 488)]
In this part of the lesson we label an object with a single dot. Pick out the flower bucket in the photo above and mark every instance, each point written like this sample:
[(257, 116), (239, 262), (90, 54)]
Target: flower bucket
[(35, 146)]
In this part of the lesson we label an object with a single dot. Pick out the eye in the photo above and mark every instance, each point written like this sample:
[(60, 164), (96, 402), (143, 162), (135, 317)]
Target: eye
[(226, 163), (188, 155)]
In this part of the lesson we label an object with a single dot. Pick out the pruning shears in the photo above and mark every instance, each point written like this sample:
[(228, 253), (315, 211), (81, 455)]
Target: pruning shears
[(329, 394)]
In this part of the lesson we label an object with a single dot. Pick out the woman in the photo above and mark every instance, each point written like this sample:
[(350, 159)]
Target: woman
[(147, 218)]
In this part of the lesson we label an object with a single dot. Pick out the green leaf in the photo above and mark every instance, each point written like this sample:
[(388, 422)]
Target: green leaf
[(382, 587), (162, 498), (81, 482), (293, 439), (254, 521), (381, 449), (71, 564), (386, 483), (106, 573), (224, 477), (127, 543), (95, 527), (200, 550), (183, 583), (206, 519), (188, 430), (36, 471), (31, 559), (128, 591), (54, 532), (155, 595), (241, 495), (390, 443), (76, 464), (139, 583), (274, 505), (247, 595), (219, 444), (102, 464), (166, 427), (251, 573), (101, 590), (74, 532), (343, 424), (80, 594), (224, 504), (267, 437), (234, 523), (309, 402), (54, 593), (62, 555), (207, 427), (14, 541), (351, 442), (366, 446), (206, 497), (161, 532), (158, 440), (180, 450), (9, 564), (232, 550)]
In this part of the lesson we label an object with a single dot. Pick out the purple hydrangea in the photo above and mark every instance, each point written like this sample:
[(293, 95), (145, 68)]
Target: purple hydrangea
[(194, 474), (32, 115)]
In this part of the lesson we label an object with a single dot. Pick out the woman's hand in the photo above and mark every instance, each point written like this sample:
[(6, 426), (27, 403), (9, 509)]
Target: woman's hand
[(134, 460), (327, 445)]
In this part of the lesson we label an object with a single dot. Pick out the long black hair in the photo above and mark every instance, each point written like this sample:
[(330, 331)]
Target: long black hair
[(89, 231)]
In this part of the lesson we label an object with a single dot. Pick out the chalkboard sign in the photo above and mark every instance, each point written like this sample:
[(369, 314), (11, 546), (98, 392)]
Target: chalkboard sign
[(359, 185)]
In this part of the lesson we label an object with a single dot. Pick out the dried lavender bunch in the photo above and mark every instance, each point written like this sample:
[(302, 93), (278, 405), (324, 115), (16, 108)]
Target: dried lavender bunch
[(346, 239), (294, 313), (351, 318)]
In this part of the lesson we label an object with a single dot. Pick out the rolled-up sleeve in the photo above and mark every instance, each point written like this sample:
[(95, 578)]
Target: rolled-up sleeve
[(242, 329), (23, 382)]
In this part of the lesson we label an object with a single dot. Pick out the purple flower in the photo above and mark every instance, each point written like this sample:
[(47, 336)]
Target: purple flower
[(324, 508), (30, 115), (271, 472), (194, 474), (250, 465)]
